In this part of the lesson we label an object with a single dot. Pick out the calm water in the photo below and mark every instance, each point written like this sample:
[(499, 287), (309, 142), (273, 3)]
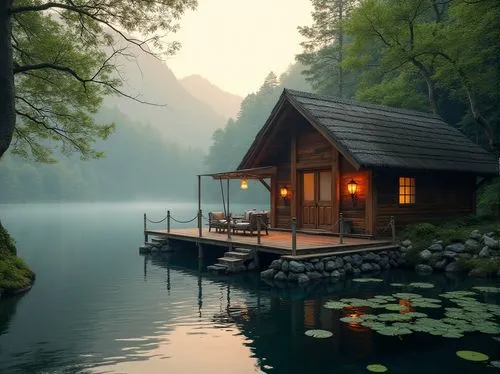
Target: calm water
[(99, 307)]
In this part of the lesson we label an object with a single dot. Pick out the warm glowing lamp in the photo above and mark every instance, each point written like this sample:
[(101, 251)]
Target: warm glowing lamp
[(352, 187), (284, 193), (244, 184)]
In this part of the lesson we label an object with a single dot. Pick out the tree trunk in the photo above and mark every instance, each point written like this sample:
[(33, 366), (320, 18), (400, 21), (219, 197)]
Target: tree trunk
[(7, 108)]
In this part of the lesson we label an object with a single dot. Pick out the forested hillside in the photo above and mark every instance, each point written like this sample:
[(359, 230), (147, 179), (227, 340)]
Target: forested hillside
[(138, 164)]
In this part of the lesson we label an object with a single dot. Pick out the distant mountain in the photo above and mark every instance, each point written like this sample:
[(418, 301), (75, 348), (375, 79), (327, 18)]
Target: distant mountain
[(183, 119), (224, 103)]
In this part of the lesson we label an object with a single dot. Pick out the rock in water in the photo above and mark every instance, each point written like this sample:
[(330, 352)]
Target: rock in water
[(285, 266), (436, 247), (456, 247), (452, 267), (303, 278), (280, 276), (296, 267), (268, 274), (485, 252), (425, 254), (490, 242), (422, 268)]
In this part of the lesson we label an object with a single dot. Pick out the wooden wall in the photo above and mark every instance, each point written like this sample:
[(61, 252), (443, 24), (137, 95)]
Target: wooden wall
[(438, 196), (283, 208), (354, 211)]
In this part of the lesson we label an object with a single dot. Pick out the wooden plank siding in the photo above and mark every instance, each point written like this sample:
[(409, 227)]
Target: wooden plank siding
[(438, 196)]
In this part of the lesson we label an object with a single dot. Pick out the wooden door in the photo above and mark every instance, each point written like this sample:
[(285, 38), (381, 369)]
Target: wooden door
[(309, 210), (317, 207)]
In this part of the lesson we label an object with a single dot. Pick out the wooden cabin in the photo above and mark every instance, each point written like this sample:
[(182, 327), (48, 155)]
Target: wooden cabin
[(324, 156)]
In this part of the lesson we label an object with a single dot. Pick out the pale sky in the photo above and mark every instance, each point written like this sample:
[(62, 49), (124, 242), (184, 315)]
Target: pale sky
[(236, 43)]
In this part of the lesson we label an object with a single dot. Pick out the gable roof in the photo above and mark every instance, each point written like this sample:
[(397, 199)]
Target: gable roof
[(376, 136)]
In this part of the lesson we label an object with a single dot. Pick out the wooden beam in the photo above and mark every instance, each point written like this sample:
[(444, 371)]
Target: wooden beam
[(264, 183), (370, 204), (335, 189), (293, 171), (274, 206)]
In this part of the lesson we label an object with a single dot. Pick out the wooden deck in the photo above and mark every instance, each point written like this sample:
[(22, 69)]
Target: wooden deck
[(278, 242)]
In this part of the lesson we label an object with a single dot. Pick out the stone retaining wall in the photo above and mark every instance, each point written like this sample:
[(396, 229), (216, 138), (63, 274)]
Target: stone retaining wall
[(444, 258), (332, 267)]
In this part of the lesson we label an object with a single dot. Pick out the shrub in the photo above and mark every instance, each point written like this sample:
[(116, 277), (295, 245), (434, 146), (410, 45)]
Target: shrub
[(6, 242), (489, 199), (488, 265)]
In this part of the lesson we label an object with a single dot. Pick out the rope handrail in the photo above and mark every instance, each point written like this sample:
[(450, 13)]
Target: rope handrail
[(160, 221), (187, 221)]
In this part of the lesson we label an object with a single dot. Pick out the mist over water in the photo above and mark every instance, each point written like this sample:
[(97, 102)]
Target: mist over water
[(98, 306)]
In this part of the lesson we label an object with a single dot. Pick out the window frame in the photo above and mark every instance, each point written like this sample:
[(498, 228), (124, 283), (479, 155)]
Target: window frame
[(407, 182)]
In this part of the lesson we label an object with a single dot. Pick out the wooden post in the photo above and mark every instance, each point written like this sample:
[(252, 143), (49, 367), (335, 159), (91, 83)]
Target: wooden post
[(258, 230), (199, 223), (168, 221), (199, 205), (145, 233), (228, 197), (200, 250), (341, 226), (393, 229), (228, 226), (294, 236)]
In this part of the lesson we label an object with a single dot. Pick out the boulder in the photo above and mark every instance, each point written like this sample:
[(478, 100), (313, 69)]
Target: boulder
[(313, 275), (452, 267), (455, 247), (314, 260), (476, 235), (348, 268), (297, 267), (276, 264), (356, 272), (478, 272), (450, 254), (393, 263), (330, 266), (471, 244), (464, 256), (319, 266), (325, 274), (406, 243), (440, 265), (436, 247), (425, 254), (485, 252), (436, 256), (268, 274), (339, 263), (309, 266), (335, 274), (375, 266), (280, 276), (303, 278), (252, 266), (347, 259), (422, 268), (369, 257), (366, 267), (357, 260), (285, 266), (293, 277), (490, 242)]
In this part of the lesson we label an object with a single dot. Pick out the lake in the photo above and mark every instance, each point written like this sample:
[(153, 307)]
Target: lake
[(99, 307)]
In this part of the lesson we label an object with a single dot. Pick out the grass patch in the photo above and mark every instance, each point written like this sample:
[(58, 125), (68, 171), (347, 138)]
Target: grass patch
[(14, 273)]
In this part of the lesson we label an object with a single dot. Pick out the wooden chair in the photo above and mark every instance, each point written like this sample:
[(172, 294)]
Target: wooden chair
[(217, 220), (251, 224)]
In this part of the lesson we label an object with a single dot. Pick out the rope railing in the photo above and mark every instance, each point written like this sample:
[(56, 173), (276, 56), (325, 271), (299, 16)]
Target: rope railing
[(160, 221), (184, 221)]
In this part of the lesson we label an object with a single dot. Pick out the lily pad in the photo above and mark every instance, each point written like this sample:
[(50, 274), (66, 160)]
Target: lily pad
[(366, 317), (335, 305), (489, 329), (394, 317), (417, 314), (351, 319), (452, 334), (372, 324), (472, 356), (393, 331), (495, 364), (425, 305), (367, 280), (394, 307), (407, 295), (320, 334), (488, 289), (397, 285), (376, 368), (421, 285)]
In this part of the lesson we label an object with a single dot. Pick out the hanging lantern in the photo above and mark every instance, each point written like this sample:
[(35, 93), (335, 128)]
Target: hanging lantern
[(244, 184)]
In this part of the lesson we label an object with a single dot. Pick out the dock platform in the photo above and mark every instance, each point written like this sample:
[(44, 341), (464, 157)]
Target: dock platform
[(279, 242)]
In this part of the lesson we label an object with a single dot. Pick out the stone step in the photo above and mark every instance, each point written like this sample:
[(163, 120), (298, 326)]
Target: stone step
[(342, 253), (242, 250), (230, 261), (159, 240), (218, 268), (240, 255)]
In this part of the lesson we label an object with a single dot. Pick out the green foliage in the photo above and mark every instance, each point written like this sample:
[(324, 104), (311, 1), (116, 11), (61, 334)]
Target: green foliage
[(7, 244), (489, 199), (14, 273), (66, 58), (489, 265)]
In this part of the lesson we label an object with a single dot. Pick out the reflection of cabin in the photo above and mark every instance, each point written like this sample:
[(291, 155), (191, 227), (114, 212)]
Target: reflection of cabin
[(325, 156)]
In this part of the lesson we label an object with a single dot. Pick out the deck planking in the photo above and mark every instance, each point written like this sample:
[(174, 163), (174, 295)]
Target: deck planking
[(277, 242)]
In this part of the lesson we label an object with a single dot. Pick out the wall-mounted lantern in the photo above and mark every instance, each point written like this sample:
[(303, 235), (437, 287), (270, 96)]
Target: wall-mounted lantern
[(284, 193), (244, 184), (352, 187)]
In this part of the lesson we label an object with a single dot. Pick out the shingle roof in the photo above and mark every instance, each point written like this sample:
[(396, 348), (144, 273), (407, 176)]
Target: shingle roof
[(377, 136)]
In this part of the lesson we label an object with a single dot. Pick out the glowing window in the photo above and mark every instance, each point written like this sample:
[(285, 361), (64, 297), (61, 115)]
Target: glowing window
[(406, 190)]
